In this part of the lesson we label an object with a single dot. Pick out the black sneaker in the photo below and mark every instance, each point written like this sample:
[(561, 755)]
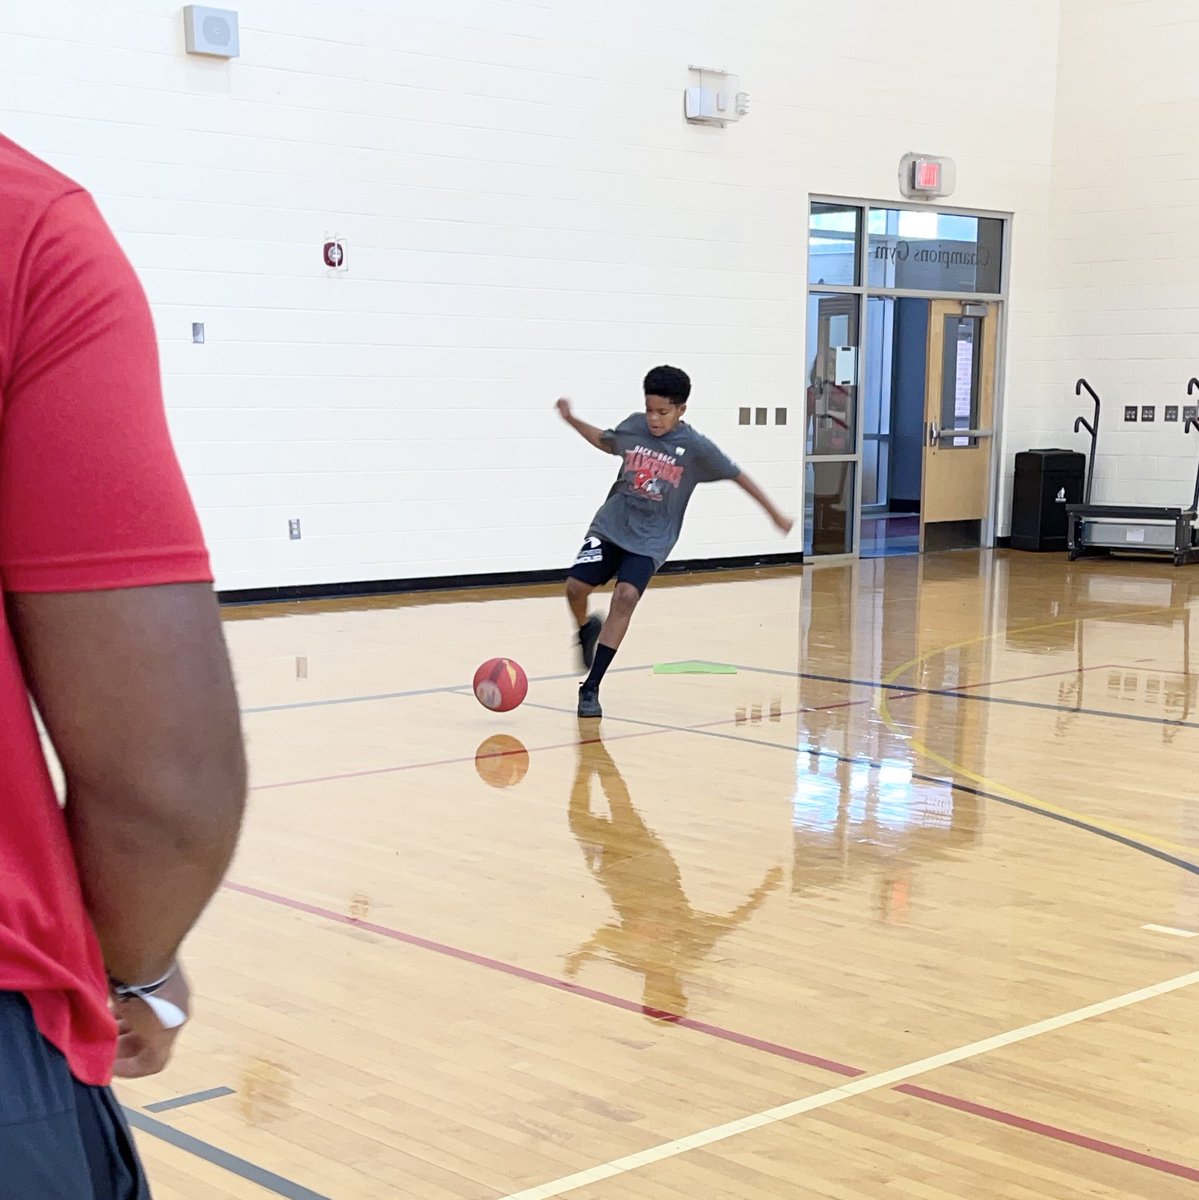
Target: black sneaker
[(589, 705), (588, 636)]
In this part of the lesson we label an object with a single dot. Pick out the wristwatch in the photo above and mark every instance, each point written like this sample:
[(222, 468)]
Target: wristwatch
[(170, 1016)]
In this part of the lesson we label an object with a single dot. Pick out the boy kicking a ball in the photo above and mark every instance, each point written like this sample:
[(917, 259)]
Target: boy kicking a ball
[(662, 461)]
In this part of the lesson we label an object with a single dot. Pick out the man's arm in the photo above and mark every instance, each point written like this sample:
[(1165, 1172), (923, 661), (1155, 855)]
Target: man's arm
[(589, 432), (136, 692), (783, 523), (113, 614)]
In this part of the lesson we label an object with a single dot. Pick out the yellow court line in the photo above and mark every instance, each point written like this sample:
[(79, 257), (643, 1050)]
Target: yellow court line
[(883, 706)]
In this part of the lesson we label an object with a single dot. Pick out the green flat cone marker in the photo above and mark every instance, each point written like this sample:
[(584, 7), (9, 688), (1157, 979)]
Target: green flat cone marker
[(694, 668)]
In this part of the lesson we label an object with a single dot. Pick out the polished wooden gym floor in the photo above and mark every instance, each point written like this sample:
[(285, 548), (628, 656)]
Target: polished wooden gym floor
[(908, 905)]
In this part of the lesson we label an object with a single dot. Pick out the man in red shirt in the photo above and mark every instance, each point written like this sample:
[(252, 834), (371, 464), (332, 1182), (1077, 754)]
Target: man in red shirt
[(109, 620)]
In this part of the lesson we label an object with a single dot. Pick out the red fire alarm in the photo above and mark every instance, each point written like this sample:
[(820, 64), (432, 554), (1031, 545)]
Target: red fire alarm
[(926, 177), (335, 255)]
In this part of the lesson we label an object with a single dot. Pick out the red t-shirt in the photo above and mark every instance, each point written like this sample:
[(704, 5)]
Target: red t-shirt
[(91, 498)]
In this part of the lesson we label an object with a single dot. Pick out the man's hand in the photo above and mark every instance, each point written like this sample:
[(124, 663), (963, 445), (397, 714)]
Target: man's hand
[(564, 409), (783, 524), (144, 1045)]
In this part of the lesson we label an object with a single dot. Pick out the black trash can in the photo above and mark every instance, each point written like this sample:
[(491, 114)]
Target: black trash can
[(1046, 481)]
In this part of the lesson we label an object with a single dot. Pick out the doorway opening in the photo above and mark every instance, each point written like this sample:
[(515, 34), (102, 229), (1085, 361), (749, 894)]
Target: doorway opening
[(903, 338), (928, 408), (893, 439)]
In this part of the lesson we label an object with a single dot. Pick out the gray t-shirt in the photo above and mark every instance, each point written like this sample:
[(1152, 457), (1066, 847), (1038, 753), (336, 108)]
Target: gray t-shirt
[(644, 510)]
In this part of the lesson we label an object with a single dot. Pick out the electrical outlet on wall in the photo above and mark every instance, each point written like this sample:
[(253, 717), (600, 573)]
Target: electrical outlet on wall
[(293, 529)]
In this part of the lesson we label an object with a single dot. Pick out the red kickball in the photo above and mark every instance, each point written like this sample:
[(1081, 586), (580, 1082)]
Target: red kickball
[(501, 685)]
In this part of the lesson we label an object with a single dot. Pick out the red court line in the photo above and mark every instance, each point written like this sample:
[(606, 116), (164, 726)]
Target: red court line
[(959, 1104), (561, 985), (1110, 1149), (614, 737), (1052, 1131)]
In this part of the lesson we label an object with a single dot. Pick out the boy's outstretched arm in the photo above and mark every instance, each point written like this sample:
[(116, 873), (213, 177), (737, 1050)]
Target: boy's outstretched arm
[(747, 485), (589, 432)]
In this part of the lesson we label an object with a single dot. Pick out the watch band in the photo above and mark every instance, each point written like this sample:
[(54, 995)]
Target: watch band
[(141, 990), (170, 1016)]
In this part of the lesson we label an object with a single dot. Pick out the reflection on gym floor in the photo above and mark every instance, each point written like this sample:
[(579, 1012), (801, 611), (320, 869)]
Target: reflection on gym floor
[(857, 818), (1155, 612), (657, 933)]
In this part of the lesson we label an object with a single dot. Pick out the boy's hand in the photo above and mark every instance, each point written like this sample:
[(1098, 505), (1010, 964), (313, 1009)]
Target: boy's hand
[(783, 524), (564, 409)]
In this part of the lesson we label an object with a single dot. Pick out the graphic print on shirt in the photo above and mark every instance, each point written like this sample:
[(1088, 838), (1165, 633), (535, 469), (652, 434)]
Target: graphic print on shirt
[(647, 472)]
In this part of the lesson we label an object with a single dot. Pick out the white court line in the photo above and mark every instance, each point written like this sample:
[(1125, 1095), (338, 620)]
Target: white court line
[(869, 1083), (1183, 933)]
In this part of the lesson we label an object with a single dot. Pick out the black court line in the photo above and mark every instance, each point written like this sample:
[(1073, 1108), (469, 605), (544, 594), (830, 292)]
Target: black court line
[(221, 1158), (940, 781), (949, 693), (877, 685), (433, 691), (194, 1098)]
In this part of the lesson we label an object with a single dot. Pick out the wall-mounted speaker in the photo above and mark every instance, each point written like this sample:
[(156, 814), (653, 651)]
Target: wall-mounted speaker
[(211, 31)]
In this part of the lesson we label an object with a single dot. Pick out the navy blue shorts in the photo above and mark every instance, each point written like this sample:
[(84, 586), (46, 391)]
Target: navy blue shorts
[(59, 1139), (599, 561)]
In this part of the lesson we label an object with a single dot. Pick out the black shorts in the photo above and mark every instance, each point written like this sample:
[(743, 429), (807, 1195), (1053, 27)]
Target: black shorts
[(599, 561), (59, 1139)]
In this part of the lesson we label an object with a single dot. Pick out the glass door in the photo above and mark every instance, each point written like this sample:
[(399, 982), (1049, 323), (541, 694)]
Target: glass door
[(831, 423), (833, 364)]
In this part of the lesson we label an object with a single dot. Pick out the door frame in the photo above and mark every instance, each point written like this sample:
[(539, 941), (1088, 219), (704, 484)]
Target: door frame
[(865, 292)]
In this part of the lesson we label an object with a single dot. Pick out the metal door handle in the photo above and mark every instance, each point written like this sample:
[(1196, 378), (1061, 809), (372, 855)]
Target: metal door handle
[(938, 435)]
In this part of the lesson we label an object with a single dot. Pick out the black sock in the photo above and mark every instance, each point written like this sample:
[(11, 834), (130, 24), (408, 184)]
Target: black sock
[(603, 660)]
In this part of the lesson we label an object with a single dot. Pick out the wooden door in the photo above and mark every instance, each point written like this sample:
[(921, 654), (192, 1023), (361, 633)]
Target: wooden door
[(959, 414)]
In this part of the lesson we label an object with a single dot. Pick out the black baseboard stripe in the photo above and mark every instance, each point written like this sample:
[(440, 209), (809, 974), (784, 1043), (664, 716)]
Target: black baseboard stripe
[(495, 579)]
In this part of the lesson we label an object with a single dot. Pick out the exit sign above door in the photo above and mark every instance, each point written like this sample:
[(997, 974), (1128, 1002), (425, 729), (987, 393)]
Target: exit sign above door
[(926, 177)]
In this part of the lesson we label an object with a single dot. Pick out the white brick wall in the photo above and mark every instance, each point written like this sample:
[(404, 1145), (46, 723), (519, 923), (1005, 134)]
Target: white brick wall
[(1125, 298), (527, 214)]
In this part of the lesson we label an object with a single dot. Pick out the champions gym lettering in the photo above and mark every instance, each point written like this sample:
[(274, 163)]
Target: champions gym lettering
[(903, 252)]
